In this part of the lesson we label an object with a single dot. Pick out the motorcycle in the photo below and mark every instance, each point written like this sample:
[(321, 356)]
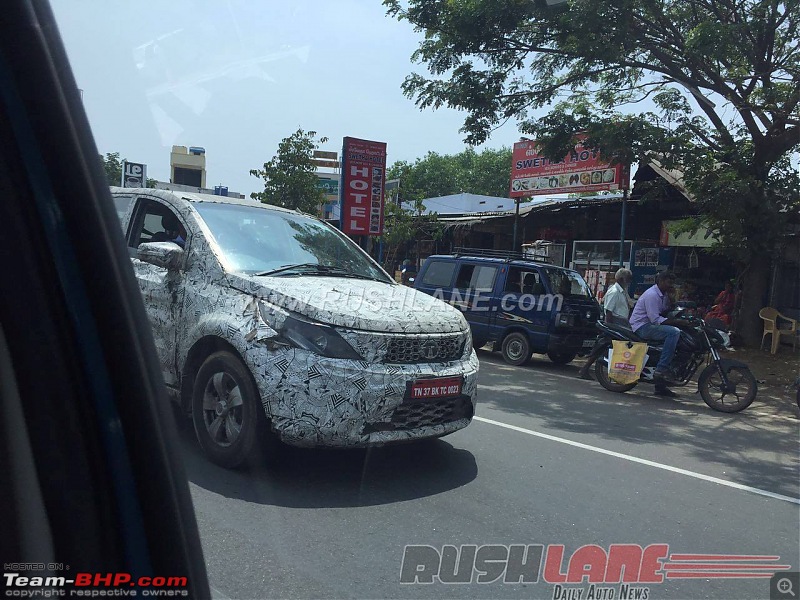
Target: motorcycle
[(725, 384)]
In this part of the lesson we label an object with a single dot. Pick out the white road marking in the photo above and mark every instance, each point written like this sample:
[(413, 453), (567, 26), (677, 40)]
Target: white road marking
[(642, 461), (216, 594)]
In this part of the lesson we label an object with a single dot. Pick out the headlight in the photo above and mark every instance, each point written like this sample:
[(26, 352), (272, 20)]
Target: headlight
[(317, 338), (566, 320), (468, 344)]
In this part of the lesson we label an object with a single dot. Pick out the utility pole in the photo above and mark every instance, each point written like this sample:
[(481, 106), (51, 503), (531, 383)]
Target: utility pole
[(622, 227)]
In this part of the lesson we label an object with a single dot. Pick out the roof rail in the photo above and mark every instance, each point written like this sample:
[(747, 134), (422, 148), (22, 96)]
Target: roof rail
[(506, 255)]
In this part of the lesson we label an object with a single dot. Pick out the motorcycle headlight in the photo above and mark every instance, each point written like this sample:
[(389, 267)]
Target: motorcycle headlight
[(317, 338)]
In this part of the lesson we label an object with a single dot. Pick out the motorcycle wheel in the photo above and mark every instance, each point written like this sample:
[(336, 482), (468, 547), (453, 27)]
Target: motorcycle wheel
[(740, 394), (601, 373)]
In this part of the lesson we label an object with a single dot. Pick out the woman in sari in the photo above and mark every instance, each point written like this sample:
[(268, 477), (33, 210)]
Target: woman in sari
[(723, 305)]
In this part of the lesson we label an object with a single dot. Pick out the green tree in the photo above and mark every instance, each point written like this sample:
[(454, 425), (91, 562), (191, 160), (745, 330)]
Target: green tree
[(487, 172), (113, 167), (722, 78), (289, 178), (405, 225)]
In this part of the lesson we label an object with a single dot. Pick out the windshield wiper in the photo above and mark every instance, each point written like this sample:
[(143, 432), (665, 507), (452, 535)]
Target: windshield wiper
[(316, 268), (284, 268)]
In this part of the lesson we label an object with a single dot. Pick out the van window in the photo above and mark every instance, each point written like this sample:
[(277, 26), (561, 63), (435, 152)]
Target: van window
[(524, 281), (439, 273), (568, 284), (476, 277)]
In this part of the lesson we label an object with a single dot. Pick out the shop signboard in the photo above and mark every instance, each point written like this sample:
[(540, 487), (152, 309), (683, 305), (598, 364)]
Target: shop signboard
[(580, 171), (329, 185), (701, 238), (362, 186), (134, 175)]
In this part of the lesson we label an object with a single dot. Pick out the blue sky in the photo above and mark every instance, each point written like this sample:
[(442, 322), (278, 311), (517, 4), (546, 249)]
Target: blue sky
[(236, 76)]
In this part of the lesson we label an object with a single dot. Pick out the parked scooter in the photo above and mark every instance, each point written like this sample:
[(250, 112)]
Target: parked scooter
[(725, 384)]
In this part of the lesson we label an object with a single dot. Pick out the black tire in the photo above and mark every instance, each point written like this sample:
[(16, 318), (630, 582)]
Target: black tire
[(601, 374), (516, 349), (562, 358), (225, 400), (742, 394)]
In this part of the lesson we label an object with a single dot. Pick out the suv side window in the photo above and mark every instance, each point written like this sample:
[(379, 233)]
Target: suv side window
[(156, 222), (439, 273), (476, 277), (122, 203)]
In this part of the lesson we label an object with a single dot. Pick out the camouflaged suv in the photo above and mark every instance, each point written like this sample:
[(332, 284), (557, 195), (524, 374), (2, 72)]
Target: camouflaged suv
[(271, 322)]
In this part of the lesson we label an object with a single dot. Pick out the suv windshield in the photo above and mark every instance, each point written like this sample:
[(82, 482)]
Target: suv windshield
[(567, 283), (254, 240)]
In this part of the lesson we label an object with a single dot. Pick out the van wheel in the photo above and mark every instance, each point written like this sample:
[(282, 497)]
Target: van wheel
[(562, 358), (516, 349), (226, 410)]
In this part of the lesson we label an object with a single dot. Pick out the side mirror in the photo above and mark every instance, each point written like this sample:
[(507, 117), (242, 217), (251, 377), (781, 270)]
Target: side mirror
[(167, 255)]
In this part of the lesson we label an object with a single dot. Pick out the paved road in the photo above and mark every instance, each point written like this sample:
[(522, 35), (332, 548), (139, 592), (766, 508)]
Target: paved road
[(549, 460)]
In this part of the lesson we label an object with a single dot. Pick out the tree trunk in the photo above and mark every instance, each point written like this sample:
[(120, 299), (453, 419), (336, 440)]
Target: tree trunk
[(755, 284)]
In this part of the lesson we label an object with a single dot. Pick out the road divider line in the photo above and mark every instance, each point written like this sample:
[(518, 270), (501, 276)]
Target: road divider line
[(642, 461)]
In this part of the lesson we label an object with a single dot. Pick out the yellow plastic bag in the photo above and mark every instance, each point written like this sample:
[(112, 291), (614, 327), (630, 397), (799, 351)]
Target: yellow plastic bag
[(626, 361)]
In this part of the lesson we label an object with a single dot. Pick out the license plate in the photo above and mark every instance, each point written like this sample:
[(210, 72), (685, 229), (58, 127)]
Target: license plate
[(443, 387), (588, 343)]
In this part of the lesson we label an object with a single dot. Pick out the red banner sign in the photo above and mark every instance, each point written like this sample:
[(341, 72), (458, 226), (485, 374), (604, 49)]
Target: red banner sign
[(581, 171), (363, 176)]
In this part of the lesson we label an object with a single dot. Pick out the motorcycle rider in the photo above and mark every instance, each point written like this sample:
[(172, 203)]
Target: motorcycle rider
[(616, 305), (649, 323)]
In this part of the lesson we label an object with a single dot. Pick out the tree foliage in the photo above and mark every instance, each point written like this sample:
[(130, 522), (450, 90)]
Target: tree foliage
[(289, 177), (113, 167), (708, 87), (487, 172)]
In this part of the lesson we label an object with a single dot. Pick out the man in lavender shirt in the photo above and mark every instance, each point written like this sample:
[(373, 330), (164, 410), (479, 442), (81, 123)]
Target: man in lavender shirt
[(648, 322)]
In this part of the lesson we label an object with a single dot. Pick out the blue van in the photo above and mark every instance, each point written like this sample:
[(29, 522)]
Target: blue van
[(520, 305)]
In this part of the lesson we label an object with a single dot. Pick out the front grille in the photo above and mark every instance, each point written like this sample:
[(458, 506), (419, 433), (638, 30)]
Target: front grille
[(413, 415), (410, 350)]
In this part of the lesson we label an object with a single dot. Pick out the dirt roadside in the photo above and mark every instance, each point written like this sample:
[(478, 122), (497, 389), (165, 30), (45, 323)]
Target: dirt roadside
[(775, 374)]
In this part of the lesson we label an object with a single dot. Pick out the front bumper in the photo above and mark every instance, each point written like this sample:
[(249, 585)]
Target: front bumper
[(316, 401)]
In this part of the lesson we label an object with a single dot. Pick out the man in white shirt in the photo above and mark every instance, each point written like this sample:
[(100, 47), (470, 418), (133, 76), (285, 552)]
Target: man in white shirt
[(617, 305)]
